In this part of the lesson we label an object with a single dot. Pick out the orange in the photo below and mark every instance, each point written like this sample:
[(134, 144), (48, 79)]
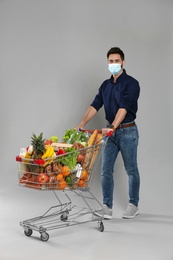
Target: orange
[(62, 184), (82, 183), (59, 176), (84, 175), (65, 171)]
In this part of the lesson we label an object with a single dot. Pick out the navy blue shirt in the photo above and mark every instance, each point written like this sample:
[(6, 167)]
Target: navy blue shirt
[(122, 94)]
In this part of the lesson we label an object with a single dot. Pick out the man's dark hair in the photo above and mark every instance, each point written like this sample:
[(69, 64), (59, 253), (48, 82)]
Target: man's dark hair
[(116, 50)]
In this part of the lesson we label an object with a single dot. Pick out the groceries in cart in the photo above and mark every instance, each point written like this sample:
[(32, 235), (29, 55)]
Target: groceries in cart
[(47, 164)]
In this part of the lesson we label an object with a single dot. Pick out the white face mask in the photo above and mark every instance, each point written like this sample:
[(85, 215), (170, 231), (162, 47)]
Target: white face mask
[(114, 68)]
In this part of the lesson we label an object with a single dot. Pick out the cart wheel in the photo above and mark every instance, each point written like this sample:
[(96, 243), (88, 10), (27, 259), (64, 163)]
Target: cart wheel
[(44, 236), (28, 232), (63, 217), (101, 226)]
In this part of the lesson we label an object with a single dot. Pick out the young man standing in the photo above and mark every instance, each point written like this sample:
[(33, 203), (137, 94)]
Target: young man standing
[(119, 95)]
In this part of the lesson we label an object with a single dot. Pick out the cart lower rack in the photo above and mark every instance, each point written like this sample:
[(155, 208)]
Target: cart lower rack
[(63, 215), (53, 175)]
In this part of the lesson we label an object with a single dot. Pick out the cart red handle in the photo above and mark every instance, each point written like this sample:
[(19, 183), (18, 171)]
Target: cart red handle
[(99, 131)]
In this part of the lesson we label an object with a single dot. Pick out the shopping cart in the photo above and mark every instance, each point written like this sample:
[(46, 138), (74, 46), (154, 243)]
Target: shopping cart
[(32, 174)]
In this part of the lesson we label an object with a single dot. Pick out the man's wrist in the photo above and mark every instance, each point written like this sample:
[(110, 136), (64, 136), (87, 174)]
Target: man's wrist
[(113, 128)]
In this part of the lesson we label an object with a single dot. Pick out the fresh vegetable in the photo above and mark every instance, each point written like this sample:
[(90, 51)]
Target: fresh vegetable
[(71, 136), (77, 137), (70, 159), (69, 180), (61, 151), (68, 134)]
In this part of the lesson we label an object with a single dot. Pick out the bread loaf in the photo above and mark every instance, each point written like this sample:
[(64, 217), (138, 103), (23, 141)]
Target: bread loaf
[(96, 149), (92, 138), (90, 150)]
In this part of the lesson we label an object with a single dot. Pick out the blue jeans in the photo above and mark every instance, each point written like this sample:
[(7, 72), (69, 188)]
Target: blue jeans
[(124, 140)]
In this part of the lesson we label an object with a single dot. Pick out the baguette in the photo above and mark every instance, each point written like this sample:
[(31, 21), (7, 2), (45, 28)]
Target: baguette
[(96, 149), (90, 151), (92, 138)]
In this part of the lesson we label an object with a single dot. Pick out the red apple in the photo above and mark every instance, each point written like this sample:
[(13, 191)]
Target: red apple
[(48, 142), (42, 178)]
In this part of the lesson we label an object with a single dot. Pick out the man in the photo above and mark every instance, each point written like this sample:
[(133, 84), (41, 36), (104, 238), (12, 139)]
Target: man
[(119, 95)]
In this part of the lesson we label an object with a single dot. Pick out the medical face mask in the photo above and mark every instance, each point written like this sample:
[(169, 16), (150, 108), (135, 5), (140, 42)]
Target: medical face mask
[(114, 68)]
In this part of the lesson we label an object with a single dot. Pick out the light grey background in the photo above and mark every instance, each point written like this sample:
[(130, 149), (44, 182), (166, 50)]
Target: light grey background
[(52, 62)]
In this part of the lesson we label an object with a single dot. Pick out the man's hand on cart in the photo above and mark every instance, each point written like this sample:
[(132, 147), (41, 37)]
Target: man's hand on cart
[(107, 131)]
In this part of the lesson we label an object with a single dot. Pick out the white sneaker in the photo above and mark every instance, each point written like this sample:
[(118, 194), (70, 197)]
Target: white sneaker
[(104, 212), (131, 211)]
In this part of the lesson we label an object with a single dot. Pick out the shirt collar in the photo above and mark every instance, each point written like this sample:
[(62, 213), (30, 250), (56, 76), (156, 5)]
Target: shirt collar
[(121, 77)]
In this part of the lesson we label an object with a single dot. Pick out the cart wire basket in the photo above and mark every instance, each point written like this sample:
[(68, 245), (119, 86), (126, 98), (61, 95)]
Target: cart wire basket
[(52, 175)]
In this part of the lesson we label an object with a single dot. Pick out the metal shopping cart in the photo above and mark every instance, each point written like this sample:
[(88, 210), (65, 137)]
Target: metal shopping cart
[(57, 178)]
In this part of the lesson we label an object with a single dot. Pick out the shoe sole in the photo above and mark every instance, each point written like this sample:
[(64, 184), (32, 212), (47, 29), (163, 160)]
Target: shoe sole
[(130, 217), (107, 217), (102, 216)]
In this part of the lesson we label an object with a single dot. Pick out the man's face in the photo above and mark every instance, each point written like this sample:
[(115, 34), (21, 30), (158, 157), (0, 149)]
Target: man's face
[(115, 58)]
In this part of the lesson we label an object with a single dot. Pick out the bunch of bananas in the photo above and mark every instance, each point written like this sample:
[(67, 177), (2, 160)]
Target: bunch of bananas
[(49, 153)]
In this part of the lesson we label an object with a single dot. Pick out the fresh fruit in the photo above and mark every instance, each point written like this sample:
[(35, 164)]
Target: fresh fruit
[(42, 178), (84, 175), (49, 152), (54, 139), (59, 176), (38, 145), (62, 185), (48, 142), (82, 183), (65, 171), (27, 156)]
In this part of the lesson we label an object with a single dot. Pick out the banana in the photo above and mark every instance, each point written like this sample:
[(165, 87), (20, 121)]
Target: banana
[(49, 152), (27, 156), (46, 152)]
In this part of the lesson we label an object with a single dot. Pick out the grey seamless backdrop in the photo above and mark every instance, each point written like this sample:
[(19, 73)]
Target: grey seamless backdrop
[(52, 62)]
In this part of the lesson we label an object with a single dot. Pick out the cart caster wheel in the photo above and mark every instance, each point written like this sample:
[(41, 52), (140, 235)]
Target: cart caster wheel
[(101, 226), (28, 232), (63, 217), (44, 236)]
